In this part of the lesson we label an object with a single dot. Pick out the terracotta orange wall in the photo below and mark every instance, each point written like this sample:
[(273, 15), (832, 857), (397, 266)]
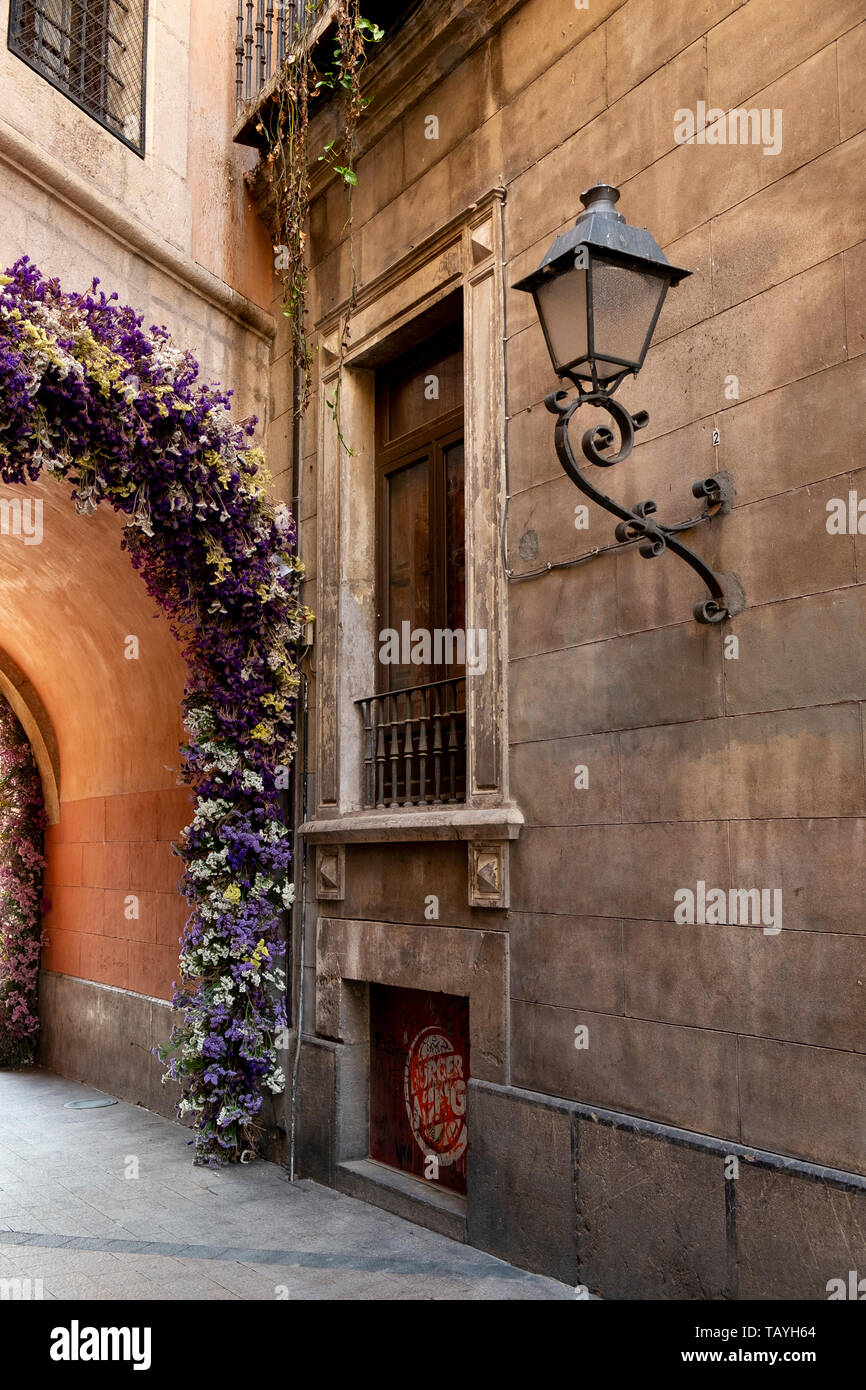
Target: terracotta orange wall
[(104, 852), (67, 608)]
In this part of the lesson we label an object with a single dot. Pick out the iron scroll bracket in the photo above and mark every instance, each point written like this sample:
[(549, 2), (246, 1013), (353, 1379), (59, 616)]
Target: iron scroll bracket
[(638, 523)]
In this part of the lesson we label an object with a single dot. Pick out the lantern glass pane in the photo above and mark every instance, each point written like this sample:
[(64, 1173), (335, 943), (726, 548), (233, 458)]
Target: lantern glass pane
[(561, 303), (624, 302)]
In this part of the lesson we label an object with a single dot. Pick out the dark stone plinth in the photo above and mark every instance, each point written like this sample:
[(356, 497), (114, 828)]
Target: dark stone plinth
[(520, 1180)]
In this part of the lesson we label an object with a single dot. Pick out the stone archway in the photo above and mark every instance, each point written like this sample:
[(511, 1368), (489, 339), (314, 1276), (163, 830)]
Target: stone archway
[(23, 697), (114, 913), (22, 864), (117, 412)]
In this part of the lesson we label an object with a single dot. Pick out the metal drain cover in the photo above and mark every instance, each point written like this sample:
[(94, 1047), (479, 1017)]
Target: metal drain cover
[(88, 1104)]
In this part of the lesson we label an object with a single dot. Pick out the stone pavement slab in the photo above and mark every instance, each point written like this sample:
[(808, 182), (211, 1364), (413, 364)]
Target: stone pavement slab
[(105, 1204)]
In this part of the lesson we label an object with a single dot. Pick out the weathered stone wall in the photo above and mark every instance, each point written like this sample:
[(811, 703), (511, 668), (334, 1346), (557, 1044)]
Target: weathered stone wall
[(187, 190), (738, 771)]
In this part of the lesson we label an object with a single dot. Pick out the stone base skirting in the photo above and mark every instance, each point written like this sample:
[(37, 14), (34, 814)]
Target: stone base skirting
[(637, 1210), (105, 1038), (625, 1207)]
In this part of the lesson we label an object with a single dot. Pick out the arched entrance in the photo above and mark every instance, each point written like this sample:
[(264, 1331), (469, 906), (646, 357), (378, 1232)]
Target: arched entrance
[(103, 714), (117, 415), (22, 827)]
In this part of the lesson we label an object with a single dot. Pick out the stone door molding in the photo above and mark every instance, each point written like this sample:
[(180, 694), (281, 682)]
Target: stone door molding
[(450, 960), (466, 257)]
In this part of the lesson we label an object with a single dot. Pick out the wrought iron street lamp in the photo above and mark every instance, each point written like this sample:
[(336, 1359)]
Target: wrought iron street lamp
[(598, 294)]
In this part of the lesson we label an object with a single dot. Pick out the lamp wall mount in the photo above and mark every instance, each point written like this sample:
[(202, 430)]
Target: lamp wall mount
[(600, 446)]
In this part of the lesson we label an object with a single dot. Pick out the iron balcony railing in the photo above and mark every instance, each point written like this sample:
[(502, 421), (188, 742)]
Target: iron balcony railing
[(415, 745), (268, 30)]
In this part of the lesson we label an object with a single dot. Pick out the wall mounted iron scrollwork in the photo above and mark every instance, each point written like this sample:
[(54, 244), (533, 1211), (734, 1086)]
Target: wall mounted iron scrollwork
[(638, 523)]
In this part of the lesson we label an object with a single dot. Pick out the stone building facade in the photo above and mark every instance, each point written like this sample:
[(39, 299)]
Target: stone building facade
[(655, 1108), (507, 1032)]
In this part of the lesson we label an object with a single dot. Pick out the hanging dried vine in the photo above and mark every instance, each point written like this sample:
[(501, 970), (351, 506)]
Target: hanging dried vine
[(288, 159)]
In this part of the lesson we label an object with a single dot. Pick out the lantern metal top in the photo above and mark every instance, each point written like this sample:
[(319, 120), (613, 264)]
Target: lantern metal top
[(600, 227)]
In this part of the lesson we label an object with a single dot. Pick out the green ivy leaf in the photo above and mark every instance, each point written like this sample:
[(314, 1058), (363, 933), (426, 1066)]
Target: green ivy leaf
[(372, 30)]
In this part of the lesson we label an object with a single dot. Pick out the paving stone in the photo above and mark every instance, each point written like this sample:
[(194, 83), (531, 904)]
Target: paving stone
[(182, 1233), (73, 1286)]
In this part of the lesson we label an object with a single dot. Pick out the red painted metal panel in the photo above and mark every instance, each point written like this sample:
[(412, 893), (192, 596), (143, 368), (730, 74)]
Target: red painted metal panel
[(419, 1067)]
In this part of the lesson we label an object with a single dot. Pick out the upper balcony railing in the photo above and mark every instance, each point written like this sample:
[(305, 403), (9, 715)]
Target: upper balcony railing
[(267, 32)]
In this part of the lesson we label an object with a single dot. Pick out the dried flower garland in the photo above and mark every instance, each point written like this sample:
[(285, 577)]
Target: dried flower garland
[(22, 825), (88, 395)]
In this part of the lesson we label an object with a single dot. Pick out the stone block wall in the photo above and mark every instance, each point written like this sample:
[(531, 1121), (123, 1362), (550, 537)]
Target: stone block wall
[(739, 768), (739, 765)]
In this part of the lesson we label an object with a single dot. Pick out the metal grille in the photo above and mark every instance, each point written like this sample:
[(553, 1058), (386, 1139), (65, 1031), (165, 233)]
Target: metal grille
[(415, 745), (267, 32), (93, 51)]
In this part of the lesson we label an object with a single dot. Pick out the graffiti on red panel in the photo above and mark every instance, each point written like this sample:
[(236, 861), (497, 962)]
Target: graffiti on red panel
[(419, 1074), (435, 1091)]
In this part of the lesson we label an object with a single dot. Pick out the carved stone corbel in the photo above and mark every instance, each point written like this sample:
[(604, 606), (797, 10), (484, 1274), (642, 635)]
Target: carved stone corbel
[(331, 872), (488, 873)]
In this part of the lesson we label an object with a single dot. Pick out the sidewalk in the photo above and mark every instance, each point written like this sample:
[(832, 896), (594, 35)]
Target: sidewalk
[(70, 1217)]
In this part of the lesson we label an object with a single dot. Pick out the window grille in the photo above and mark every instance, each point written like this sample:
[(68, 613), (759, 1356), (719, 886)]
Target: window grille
[(91, 50)]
